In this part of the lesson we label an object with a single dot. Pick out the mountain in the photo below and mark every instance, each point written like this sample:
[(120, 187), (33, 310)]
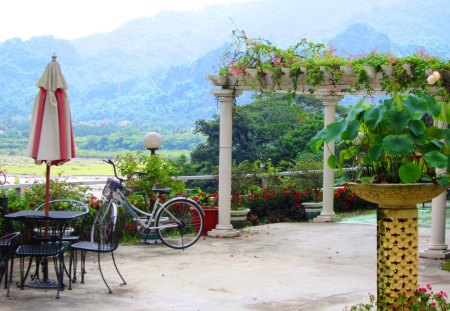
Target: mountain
[(151, 71)]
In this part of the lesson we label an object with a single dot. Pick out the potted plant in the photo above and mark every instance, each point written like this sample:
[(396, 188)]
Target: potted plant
[(311, 178), (244, 176), (394, 141), (396, 150), (209, 204)]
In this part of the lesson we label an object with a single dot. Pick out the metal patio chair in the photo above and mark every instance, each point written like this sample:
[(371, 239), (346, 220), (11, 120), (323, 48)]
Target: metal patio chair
[(7, 249), (106, 232)]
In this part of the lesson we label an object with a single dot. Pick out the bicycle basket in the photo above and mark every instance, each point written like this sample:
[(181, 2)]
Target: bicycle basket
[(112, 186)]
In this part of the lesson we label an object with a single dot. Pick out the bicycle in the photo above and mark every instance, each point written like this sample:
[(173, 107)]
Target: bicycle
[(177, 222), (2, 177)]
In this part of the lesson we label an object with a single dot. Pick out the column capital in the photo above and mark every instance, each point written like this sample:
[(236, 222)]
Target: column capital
[(330, 100), (226, 94)]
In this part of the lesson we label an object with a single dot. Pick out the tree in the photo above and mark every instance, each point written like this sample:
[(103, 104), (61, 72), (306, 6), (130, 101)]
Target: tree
[(265, 129)]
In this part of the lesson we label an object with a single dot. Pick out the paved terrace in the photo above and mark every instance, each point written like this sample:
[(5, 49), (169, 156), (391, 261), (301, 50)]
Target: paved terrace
[(290, 266)]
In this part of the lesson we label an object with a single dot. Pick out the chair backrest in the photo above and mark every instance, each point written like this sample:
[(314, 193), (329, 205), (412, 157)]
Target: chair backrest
[(77, 225), (65, 205), (47, 230), (7, 249), (8, 244), (107, 228)]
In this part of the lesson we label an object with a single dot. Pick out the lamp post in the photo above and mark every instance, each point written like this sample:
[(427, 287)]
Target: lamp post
[(152, 141)]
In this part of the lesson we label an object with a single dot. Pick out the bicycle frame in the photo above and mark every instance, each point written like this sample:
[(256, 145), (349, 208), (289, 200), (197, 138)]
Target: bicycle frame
[(178, 221), (137, 213)]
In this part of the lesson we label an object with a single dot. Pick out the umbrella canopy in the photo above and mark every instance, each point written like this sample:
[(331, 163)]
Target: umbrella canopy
[(51, 136)]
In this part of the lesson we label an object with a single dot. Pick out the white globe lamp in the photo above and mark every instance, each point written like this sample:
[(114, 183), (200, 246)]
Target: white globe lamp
[(152, 141)]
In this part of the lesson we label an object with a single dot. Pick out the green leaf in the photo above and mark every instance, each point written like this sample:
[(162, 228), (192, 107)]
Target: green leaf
[(333, 132), (316, 142), (415, 105), (433, 106), (436, 159), (332, 161), (420, 139), (409, 172), (398, 144), (396, 120), (429, 147), (375, 153), (374, 115), (445, 150), (446, 134), (352, 130), (433, 132), (417, 127), (443, 182), (360, 106)]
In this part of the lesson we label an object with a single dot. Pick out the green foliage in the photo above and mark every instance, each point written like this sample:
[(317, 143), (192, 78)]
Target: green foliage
[(318, 65), (396, 143), (243, 176), (266, 129), (59, 189), (35, 196), (159, 171)]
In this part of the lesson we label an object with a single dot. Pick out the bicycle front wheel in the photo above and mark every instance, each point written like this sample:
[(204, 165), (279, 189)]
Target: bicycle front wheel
[(180, 223)]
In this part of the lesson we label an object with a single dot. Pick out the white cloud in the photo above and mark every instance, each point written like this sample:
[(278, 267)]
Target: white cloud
[(73, 19)]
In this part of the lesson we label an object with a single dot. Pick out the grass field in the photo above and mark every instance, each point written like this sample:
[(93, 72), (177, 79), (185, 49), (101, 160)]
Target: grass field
[(77, 166)]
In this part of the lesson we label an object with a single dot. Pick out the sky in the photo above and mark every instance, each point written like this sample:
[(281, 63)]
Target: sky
[(72, 19)]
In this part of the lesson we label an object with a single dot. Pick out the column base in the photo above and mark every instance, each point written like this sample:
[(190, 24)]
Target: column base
[(325, 218), (435, 254), (223, 231)]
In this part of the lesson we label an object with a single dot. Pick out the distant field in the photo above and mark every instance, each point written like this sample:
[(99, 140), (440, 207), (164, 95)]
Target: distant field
[(77, 166)]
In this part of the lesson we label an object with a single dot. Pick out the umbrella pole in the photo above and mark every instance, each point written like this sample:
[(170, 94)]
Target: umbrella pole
[(47, 209), (47, 189)]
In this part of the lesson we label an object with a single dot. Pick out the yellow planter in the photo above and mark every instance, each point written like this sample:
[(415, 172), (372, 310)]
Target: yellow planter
[(397, 235)]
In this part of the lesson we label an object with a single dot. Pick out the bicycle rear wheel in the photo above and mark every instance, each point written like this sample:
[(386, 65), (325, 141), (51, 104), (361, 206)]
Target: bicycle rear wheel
[(2, 177), (180, 223)]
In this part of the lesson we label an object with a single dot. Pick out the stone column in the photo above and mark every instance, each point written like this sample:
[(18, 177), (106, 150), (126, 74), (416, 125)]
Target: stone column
[(437, 249), (224, 227), (328, 214)]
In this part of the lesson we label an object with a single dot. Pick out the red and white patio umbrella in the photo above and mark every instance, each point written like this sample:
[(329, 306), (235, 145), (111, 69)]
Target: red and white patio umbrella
[(51, 136)]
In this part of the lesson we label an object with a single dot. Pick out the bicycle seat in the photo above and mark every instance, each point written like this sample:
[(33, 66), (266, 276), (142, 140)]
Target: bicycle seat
[(163, 190)]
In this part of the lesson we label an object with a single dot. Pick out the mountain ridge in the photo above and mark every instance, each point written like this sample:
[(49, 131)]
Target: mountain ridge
[(151, 71)]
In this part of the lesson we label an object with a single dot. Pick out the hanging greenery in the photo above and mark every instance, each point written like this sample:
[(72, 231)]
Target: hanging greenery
[(265, 67)]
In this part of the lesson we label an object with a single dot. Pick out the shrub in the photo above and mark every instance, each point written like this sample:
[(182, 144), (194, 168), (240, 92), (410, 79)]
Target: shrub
[(424, 299), (275, 205), (346, 201)]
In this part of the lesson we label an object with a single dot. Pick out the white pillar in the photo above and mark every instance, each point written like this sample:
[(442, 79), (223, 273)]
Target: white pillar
[(328, 214), (437, 249), (224, 227)]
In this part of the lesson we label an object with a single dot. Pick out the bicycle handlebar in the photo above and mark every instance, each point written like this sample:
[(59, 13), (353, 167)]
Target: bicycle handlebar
[(140, 174)]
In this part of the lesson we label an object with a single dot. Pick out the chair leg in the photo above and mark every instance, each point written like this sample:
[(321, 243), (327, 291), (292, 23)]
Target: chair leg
[(10, 271), (101, 273), (83, 265), (4, 274), (36, 272), (59, 273), (70, 268), (117, 269), (75, 263)]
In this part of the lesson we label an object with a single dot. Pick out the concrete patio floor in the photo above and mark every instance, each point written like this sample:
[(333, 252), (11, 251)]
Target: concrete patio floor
[(289, 266)]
